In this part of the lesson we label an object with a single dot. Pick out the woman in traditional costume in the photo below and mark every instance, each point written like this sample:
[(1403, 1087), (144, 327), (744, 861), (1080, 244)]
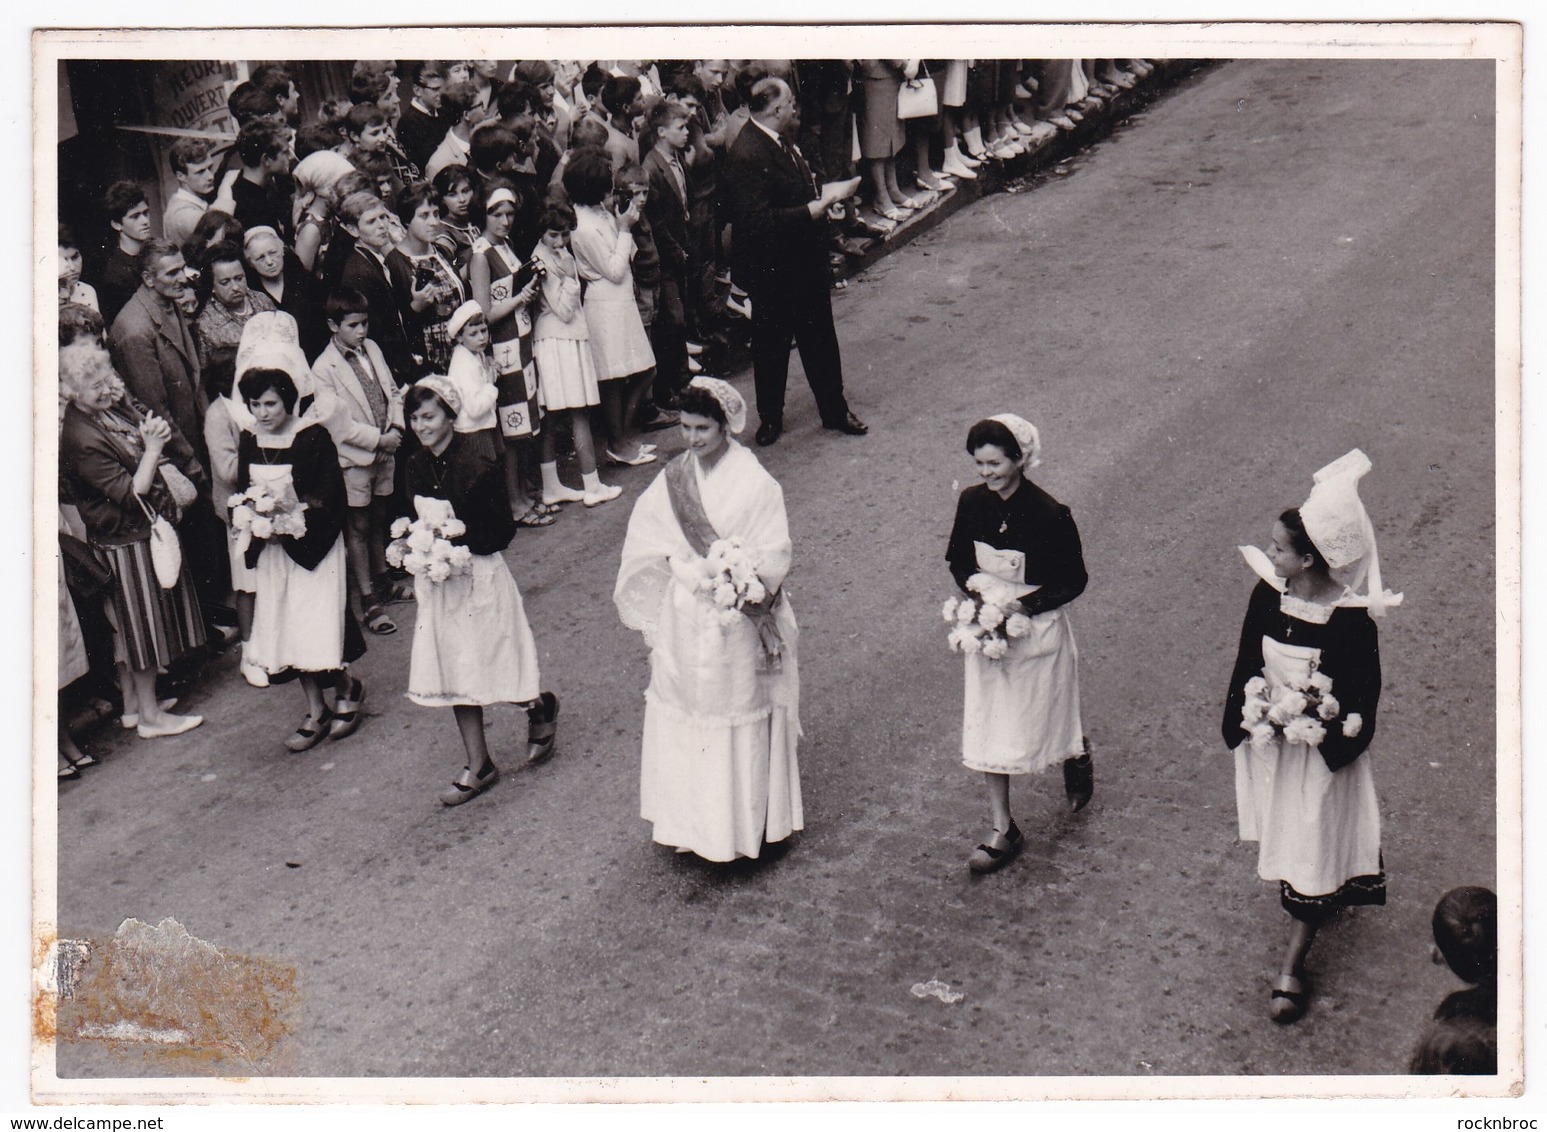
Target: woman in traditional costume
[(1014, 542), (1300, 715), (704, 564)]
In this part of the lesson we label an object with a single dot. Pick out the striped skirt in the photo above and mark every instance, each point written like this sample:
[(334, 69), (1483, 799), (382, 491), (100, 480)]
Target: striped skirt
[(153, 626)]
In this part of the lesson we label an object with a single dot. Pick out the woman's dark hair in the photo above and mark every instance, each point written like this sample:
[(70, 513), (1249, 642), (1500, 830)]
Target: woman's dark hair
[(417, 395), (556, 217), (256, 382), (67, 238), (220, 371), (410, 197), (1299, 540), (478, 207), (212, 221), (223, 251), (588, 176), (700, 402), (1466, 930), (1457, 1045), (446, 182), (995, 433)]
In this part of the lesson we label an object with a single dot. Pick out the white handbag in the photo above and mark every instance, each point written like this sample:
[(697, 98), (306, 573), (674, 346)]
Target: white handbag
[(166, 553), (916, 99)]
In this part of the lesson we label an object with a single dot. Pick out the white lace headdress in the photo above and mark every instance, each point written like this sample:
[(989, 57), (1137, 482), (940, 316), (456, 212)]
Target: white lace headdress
[(734, 405), (1026, 436), (1338, 525), (272, 340)]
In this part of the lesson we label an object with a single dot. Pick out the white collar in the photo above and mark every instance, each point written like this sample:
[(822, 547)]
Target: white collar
[(771, 133)]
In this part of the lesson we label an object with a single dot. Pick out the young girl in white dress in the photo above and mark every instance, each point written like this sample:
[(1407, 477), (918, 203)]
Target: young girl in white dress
[(566, 371)]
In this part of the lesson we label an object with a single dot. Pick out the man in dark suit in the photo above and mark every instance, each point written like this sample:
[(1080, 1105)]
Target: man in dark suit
[(779, 255)]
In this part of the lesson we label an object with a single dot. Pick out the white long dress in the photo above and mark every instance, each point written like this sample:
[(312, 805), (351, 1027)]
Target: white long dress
[(718, 773)]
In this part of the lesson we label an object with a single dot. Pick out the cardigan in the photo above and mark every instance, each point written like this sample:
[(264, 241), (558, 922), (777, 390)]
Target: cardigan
[(1034, 523), (473, 484)]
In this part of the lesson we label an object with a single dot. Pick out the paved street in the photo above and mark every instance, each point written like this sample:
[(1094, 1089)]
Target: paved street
[(1276, 262)]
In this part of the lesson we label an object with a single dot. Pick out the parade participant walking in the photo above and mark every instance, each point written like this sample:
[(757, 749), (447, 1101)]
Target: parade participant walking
[(702, 576), (293, 518), (1017, 548), (472, 644), (1300, 715)]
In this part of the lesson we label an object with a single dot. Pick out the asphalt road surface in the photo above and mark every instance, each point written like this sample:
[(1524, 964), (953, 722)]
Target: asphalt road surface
[(1278, 261)]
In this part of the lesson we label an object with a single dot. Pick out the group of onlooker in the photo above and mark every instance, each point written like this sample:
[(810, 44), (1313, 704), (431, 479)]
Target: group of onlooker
[(560, 241)]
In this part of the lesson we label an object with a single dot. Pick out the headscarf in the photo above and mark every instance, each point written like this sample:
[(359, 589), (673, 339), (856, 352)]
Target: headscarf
[(319, 172), (731, 403), (1026, 436), (442, 388)]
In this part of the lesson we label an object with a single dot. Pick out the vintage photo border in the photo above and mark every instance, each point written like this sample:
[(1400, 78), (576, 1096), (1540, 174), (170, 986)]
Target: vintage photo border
[(1498, 41)]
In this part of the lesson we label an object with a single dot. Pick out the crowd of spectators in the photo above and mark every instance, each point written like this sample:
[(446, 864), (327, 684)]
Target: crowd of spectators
[(553, 237)]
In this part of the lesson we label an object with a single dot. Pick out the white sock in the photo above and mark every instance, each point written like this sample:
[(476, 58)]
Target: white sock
[(591, 481), (551, 483)]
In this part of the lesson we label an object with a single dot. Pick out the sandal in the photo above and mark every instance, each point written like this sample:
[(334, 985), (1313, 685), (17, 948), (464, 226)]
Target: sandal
[(1079, 780), (68, 772), (84, 761), (536, 518), (1288, 1000), (392, 593), (895, 215), (543, 508), (467, 785), (346, 710), (542, 734), (313, 730), (377, 621), (985, 858)]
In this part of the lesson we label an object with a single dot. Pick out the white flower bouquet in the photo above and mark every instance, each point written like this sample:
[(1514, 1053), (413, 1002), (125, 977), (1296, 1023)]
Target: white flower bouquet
[(1296, 713), (728, 579), (259, 512), (423, 546), (987, 620)]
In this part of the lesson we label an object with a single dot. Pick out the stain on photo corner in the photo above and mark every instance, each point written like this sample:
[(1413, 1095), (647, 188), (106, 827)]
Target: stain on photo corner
[(160, 992)]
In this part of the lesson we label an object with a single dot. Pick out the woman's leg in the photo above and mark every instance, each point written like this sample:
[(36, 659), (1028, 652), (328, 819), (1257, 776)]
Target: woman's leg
[(476, 745), (554, 489), (878, 187), (311, 688), (515, 489), (638, 387), (129, 690), (245, 603), (612, 408), (998, 800), (585, 448), (1302, 933)]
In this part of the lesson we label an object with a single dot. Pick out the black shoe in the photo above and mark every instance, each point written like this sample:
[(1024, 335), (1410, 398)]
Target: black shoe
[(850, 246), (1079, 780), (768, 433), (849, 426), (662, 419)]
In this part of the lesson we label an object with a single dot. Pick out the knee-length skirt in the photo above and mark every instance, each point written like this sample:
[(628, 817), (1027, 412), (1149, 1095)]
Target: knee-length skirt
[(298, 614), (1021, 713), (472, 642), (151, 626)]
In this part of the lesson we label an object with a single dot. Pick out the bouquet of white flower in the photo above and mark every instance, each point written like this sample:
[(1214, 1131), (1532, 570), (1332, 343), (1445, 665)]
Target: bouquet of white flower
[(423, 547), (260, 513), (987, 620), (728, 579), (1297, 712)]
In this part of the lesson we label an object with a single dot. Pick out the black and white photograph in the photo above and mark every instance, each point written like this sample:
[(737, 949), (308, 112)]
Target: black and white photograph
[(692, 578)]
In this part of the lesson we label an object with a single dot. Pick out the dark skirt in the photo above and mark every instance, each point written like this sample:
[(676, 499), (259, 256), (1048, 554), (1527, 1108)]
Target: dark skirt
[(154, 626), (880, 130), (1352, 893)]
